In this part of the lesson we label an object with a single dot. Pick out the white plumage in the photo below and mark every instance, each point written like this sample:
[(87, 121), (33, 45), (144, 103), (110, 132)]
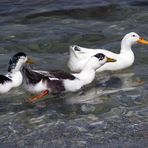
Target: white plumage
[(79, 55)]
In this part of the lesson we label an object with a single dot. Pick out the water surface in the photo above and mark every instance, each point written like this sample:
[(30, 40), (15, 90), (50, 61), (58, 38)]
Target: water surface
[(112, 111)]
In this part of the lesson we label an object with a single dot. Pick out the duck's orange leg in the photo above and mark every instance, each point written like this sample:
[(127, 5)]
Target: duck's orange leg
[(140, 82), (38, 97)]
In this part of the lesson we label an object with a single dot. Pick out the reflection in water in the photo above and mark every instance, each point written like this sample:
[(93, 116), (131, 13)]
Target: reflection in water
[(109, 84)]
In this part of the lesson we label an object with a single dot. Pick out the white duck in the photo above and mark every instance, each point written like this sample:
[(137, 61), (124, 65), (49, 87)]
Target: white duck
[(79, 55), (14, 76), (53, 82)]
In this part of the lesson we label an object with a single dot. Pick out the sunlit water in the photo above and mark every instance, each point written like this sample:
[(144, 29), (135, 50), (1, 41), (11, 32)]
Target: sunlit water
[(112, 111)]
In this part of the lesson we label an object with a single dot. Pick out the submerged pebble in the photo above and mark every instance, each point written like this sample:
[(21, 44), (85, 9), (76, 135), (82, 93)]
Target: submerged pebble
[(87, 108)]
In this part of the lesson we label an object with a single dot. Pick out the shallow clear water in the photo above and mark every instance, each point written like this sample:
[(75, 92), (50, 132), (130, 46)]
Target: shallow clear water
[(110, 112)]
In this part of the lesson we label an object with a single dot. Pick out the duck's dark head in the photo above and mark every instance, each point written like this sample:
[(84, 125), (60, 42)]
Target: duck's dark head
[(17, 61), (103, 58), (97, 60)]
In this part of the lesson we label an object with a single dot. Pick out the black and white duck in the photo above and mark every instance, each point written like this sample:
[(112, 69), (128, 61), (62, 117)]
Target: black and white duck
[(53, 82), (14, 76)]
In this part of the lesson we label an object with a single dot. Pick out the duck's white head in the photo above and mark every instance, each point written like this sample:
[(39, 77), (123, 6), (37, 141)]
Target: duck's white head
[(17, 61), (131, 39), (97, 60)]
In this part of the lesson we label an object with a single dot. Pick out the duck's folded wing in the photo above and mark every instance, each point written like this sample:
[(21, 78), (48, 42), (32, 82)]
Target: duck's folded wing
[(45, 73), (55, 74), (31, 76), (62, 75)]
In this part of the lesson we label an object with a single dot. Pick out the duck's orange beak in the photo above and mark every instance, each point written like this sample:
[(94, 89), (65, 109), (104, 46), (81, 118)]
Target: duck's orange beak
[(142, 41)]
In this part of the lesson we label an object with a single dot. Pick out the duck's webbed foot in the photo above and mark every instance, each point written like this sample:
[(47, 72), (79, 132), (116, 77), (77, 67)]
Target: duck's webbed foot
[(38, 97)]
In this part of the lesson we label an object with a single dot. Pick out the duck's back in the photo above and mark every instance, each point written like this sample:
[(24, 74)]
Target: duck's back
[(124, 60)]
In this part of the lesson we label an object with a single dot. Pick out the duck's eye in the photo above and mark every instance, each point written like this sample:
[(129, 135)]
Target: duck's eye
[(100, 56), (133, 35)]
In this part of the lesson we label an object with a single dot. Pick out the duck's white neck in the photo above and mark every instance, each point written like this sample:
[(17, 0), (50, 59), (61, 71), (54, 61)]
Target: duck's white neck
[(16, 78), (86, 76), (126, 46)]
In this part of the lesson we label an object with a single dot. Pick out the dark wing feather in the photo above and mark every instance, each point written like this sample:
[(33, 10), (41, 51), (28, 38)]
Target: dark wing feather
[(34, 77), (61, 74), (56, 86), (4, 79), (56, 74), (45, 73)]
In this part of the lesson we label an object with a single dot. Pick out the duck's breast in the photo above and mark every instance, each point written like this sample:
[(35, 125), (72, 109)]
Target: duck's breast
[(37, 87), (72, 85)]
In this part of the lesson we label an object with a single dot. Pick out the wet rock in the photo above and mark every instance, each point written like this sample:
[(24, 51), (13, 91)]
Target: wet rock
[(88, 108), (116, 111), (99, 125), (92, 117), (81, 129), (130, 113)]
